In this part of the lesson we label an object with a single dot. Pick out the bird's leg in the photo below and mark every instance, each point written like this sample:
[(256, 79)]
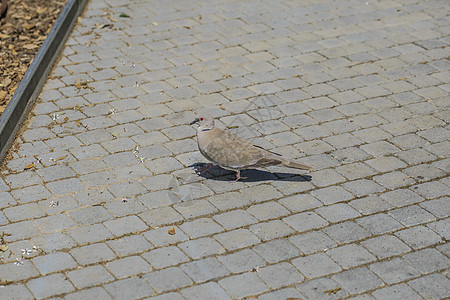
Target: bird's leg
[(238, 176), (205, 168)]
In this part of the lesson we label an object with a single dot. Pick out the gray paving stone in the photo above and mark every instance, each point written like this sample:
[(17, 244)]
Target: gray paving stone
[(394, 271), (358, 280), (412, 215), (56, 283), (9, 271), (271, 230), (385, 246), (90, 234), (201, 247), (164, 257), (243, 285), (128, 266), (236, 239), (168, 279), (418, 237), (318, 289), (16, 291), (401, 197), (91, 215), (346, 232), (205, 269), (89, 276), (300, 202), (363, 187), (351, 255), (160, 216), (92, 253), (210, 290), (337, 212), (54, 262), (427, 260), (379, 223), (95, 292), (279, 275), (305, 221), (53, 241), (22, 212), (125, 225), (201, 227), (277, 250), (130, 288), (234, 219), (434, 286), (316, 265), (160, 237), (399, 291), (333, 194), (129, 244)]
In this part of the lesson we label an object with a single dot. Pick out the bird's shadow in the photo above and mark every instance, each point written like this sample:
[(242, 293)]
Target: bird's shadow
[(251, 175)]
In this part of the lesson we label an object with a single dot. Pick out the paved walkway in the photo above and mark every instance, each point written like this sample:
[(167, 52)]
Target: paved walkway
[(100, 199)]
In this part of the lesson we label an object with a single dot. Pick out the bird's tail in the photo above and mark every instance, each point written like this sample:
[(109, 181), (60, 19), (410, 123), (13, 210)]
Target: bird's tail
[(296, 165)]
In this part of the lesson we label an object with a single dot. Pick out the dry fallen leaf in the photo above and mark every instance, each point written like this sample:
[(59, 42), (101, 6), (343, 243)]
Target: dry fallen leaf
[(4, 248), (62, 157), (186, 27), (171, 231), (40, 10), (155, 23), (29, 166)]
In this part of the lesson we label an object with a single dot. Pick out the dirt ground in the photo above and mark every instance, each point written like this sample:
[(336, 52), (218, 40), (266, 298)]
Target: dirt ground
[(22, 32)]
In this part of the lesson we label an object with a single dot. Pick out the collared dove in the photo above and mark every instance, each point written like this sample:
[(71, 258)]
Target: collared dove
[(232, 152)]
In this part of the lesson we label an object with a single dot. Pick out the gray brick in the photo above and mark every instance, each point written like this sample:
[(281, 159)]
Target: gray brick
[(385, 246), (16, 291), (277, 250), (160, 237), (210, 290), (332, 194), (434, 286), (281, 294), (337, 212), (201, 247), (55, 284), (358, 280), (260, 193), (394, 271), (65, 186), (53, 241), (352, 255), (300, 202), (241, 261), (240, 286), (379, 223), (22, 212), (92, 253), (54, 262), (160, 216), (90, 215), (418, 237), (346, 232), (316, 265), (268, 210), (363, 187), (399, 291), (271, 230), (205, 269), (235, 219), (90, 234), (236, 239), (167, 279), (441, 227), (427, 260), (9, 272), (317, 289), (401, 197), (23, 179), (432, 189), (89, 276), (412, 215), (54, 223), (201, 227), (128, 266), (92, 293), (130, 288), (164, 257), (305, 221), (130, 244), (159, 198), (125, 225)]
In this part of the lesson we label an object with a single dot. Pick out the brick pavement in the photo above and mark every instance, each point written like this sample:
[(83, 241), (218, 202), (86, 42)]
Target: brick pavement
[(357, 88)]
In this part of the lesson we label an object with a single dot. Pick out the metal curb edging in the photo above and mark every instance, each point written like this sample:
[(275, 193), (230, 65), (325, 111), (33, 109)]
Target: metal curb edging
[(30, 86)]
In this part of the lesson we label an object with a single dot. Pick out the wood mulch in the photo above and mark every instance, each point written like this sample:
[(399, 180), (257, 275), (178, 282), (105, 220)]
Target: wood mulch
[(22, 32)]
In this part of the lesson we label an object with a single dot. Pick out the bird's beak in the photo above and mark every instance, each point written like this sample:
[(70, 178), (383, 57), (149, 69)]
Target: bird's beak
[(195, 121)]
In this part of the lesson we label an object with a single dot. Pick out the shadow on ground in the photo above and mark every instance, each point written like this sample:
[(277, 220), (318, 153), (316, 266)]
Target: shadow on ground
[(252, 175)]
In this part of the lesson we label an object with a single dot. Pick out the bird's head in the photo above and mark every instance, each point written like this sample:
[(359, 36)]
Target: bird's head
[(205, 121)]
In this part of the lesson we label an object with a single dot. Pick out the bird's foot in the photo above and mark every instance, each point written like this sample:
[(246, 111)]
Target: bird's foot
[(238, 176)]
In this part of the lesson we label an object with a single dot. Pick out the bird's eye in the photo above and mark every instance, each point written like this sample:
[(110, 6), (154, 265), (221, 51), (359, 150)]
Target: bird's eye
[(201, 119)]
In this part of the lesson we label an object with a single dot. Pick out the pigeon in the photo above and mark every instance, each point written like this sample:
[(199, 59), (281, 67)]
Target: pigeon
[(231, 152)]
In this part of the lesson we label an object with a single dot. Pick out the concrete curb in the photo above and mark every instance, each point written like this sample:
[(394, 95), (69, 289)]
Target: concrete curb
[(31, 84)]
